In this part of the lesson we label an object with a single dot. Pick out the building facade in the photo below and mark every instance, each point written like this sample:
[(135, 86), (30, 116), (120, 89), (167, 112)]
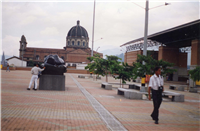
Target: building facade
[(76, 50), (174, 45)]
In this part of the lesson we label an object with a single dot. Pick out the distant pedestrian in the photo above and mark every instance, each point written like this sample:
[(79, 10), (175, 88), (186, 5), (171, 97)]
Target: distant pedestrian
[(34, 71), (8, 68), (156, 87)]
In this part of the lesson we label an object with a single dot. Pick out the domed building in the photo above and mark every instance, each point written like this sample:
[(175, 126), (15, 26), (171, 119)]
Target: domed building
[(75, 52), (77, 37)]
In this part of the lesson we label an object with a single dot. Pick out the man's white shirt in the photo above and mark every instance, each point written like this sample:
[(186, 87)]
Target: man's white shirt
[(35, 70), (155, 82)]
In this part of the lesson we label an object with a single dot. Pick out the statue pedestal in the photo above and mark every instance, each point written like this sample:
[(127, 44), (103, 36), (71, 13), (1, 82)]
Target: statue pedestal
[(52, 82)]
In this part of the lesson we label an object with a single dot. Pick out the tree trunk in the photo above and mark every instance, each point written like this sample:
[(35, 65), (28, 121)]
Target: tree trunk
[(106, 77), (120, 83)]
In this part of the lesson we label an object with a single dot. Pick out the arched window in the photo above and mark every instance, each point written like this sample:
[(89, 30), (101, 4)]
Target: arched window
[(78, 43), (68, 43), (83, 43), (37, 57), (62, 57), (72, 42), (45, 56)]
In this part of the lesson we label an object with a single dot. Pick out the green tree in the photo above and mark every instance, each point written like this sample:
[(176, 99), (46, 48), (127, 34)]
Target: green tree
[(141, 70), (123, 72), (195, 74), (101, 66)]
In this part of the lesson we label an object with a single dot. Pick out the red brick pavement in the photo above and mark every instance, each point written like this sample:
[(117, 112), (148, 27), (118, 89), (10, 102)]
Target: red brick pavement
[(44, 110), (70, 110), (135, 114)]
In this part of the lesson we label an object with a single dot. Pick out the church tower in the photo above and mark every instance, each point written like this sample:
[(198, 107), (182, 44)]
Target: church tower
[(23, 45)]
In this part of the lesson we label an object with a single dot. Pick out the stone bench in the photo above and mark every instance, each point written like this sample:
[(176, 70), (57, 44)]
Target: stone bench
[(81, 76), (137, 87), (177, 97), (133, 94), (98, 77), (106, 86), (129, 93), (134, 87), (193, 89), (178, 87)]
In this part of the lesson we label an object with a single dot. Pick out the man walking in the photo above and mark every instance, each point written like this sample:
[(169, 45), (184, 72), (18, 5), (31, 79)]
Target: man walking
[(156, 87), (34, 71)]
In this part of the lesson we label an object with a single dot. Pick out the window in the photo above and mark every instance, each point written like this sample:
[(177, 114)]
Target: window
[(83, 43), (72, 42), (37, 57), (68, 43), (45, 56), (78, 42), (62, 57)]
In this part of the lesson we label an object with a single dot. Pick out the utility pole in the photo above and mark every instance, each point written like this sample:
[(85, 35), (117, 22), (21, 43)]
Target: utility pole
[(146, 28), (93, 29)]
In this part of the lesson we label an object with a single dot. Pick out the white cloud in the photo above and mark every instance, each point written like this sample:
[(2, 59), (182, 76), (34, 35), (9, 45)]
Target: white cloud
[(49, 31), (28, 20), (47, 24), (10, 45)]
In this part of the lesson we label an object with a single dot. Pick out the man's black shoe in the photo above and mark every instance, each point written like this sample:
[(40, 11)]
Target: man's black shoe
[(156, 122), (28, 88), (34, 89), (152, 117)]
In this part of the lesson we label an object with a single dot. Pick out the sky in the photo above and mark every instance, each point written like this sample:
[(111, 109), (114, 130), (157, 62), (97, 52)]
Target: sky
[(46, 24)]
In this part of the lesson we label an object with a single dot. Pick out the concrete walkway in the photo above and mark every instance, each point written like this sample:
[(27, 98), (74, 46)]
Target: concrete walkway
[(72, 110)]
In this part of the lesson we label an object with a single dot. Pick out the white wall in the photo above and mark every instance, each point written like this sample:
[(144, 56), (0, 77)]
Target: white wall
[(16, 62), (81, 66)]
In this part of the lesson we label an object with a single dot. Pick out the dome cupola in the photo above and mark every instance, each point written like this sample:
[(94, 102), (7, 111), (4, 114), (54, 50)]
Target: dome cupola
[(77, 37)]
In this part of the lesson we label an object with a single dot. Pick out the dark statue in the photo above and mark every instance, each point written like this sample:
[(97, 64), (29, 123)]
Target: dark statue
[(54, 65)]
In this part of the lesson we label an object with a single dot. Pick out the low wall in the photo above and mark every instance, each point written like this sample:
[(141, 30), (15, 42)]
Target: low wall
[(69, 70), (18, 68), (78, 71)]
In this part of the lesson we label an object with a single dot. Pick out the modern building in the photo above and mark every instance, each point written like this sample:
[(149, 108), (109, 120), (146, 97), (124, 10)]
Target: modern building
[(173, 43), (75, 51)]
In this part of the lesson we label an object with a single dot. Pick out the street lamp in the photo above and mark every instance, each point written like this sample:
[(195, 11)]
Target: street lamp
[(97, 40), (146, 23), (97, 48), (93, 29)]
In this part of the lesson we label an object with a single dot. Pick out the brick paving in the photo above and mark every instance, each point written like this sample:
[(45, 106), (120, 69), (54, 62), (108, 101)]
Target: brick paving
[(70, 110)]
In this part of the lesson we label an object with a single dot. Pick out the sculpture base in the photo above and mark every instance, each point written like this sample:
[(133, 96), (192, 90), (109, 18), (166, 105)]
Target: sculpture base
[(52, 82)]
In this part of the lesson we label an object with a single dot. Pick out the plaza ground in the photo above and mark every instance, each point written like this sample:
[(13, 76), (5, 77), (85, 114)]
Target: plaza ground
[(23, 109)]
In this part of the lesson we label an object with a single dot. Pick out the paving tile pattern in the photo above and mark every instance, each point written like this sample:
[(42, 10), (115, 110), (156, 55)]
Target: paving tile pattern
[(22, 109), (135, 114), (111, 122)]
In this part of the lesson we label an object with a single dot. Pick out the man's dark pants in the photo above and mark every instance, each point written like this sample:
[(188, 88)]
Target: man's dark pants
[(157, 100)]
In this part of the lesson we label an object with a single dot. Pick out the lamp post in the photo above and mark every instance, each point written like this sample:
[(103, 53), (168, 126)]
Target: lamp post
[(93, 29), (146, 28), (97, 48), (97, 40), (146, 23), (145, 37)]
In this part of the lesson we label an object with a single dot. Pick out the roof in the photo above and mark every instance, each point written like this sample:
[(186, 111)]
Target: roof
[(77, 31), (179, 36), (15, 57)]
